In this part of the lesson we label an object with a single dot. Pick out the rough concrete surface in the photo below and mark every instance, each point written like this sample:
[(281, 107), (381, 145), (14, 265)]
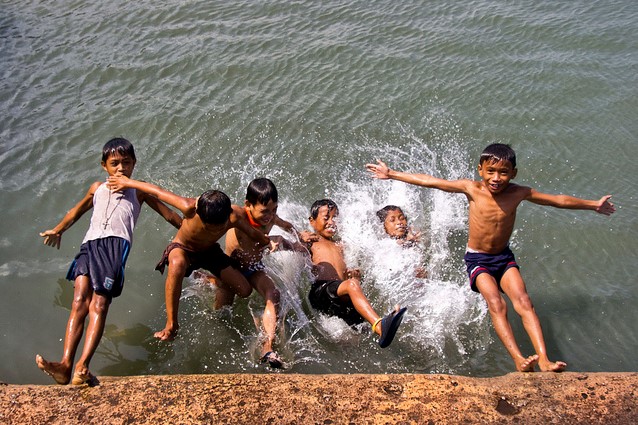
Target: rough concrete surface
[(522, 398)]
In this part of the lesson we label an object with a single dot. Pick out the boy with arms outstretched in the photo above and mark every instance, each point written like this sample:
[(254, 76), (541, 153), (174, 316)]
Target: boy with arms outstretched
[(206, 219), (337, 289), (98, 270), (260, 210), (490, 263)]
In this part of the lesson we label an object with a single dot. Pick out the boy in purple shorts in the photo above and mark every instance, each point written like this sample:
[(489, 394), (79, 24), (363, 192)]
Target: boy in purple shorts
[(98, 270), (491, 266)]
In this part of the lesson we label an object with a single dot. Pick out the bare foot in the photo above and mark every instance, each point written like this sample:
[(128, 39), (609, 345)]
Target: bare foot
[(60, 373), (166, 334), (527, 364), (84, 377), (553, 366)]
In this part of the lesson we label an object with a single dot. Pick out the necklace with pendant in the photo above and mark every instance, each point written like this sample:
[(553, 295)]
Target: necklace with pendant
[(107, 216)]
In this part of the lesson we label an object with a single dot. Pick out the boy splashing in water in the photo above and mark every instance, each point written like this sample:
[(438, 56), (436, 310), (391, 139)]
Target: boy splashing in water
[(490, 263), (260, 210), (337, 289)]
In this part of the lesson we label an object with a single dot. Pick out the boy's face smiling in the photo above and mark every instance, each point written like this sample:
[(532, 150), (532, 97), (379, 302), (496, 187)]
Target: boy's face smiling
[(395, 224), (262, 214), (119, 165), (325, 224), (496, 175)]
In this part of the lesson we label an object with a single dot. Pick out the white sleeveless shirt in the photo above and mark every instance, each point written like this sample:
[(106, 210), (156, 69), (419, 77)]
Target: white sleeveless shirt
[(114, 214)]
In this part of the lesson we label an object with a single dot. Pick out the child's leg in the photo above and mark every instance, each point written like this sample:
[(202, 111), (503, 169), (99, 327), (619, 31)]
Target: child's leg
[(352, 289), (266, 288), (514, 286), (98, 310), (233, 280), (61, 372), (177, 264), (498, 312), (223, 296), (387, 327)]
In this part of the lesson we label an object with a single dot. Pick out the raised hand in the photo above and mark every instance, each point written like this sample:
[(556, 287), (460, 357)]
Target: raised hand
[(117, 182), (379, 170)]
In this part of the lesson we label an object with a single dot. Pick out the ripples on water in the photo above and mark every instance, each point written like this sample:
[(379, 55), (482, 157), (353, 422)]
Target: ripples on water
[(213, 94)]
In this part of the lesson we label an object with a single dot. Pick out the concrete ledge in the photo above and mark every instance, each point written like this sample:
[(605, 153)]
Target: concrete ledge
[(534, 398)]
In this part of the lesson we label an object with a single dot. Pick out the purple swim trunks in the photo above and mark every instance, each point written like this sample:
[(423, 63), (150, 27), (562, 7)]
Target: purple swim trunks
[(493, 264)]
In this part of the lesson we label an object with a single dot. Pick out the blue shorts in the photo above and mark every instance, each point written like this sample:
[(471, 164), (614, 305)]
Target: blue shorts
[(103, 261), (252, 269), (493, 264)]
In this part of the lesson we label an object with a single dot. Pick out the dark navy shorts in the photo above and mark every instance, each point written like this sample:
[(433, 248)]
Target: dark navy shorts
[(323, 297), (103, 261), (493, 264), (252, 269)]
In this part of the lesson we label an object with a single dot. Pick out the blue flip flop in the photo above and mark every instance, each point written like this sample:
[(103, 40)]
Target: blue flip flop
[(389, 326)]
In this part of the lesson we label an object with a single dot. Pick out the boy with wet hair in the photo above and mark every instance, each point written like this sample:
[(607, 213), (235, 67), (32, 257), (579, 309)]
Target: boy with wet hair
[(395, 224), (491, 265), (337, 289), (260, 210), (98, 270), (206, 219)]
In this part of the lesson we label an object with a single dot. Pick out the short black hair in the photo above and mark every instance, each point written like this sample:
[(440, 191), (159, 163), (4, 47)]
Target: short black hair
[(261, 190), (213, 207), (383, 212), (497, 152), (316, 206), (119, 145)]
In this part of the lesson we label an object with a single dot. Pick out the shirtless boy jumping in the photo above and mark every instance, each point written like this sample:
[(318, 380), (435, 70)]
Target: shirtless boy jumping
[(490, 263), (337, 290), (260, 210), (206, 219)]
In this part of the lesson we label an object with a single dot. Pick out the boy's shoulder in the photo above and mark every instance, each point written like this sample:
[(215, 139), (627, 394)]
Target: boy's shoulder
[(238, 212), (95, 185)]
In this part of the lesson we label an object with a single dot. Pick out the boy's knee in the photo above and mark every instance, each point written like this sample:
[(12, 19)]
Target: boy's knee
[(352, 285), (81, 301), (177, 264), (101, 305), (496, 305), (273, 295), (524, 303), (244, 291)]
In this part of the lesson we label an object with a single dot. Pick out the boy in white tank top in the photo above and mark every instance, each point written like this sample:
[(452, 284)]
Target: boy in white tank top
[(98, 269)]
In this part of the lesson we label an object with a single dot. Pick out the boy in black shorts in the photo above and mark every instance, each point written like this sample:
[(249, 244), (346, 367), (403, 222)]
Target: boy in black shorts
[(337, 289)]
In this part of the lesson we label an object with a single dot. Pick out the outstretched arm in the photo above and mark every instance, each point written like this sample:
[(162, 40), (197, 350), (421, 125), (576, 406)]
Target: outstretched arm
[(381, 171), (185, 205), (53, 237), (287, 226), (601, 206), (162, 209)]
